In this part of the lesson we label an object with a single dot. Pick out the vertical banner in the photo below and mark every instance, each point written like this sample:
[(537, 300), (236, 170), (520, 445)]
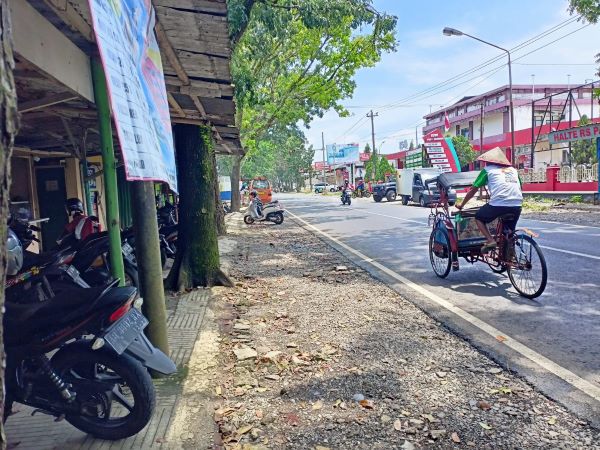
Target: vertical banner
[(441, 152), (124, 31)]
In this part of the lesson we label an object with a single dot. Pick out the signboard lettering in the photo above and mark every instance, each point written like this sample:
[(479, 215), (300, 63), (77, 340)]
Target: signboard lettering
[(575, 134), (124, 30)]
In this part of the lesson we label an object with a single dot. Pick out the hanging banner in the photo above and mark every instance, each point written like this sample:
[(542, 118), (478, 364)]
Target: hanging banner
[(440, 152), (124, 31)]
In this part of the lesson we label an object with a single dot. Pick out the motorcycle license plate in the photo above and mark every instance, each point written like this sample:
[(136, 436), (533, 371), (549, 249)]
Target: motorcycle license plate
[(127, 249), (125, 330)]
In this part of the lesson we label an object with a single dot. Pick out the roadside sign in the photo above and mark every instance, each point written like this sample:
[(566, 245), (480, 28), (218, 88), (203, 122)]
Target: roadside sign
[(441, 152), (575, 134)]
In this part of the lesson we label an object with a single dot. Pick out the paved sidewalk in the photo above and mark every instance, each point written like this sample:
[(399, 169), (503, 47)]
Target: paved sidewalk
[(176, 402)]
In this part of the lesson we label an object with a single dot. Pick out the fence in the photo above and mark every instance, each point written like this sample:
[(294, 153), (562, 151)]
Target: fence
[(533, 176), (579, 174)]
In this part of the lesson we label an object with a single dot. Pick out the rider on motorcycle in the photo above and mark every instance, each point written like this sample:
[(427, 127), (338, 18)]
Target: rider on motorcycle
[(80, 226), (506, 196), (255, 206)]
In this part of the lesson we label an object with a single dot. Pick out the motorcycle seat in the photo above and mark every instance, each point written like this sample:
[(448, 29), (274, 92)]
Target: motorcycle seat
[(24, 319), (31, 259)]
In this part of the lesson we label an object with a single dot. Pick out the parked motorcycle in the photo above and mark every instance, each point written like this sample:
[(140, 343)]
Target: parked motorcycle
[(97, 375), (271, 212), (346, 196)]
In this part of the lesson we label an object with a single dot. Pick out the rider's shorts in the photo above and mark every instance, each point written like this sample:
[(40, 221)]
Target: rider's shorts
[(488, 213)]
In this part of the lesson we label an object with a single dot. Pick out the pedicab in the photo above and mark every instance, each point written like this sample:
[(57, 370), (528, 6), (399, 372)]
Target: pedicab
[(455, 235)]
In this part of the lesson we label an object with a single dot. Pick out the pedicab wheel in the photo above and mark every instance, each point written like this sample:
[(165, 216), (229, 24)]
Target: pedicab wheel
[(440, 252), (248, 220), (528, 272)]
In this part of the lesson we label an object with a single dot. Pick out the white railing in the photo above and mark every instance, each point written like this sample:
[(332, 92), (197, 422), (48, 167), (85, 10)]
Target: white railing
[(579, 174), (533, 175)]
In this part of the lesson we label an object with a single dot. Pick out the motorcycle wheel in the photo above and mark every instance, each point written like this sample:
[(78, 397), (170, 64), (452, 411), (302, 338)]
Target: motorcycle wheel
[(248, 220), (277, 218), (133, 396), (349, 201)]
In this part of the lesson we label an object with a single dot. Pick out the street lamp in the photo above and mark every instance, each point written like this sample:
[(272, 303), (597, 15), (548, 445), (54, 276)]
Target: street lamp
[(454, 32)]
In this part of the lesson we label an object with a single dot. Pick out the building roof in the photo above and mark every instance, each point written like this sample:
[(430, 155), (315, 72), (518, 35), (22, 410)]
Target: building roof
[(195, 48), (477, 98)]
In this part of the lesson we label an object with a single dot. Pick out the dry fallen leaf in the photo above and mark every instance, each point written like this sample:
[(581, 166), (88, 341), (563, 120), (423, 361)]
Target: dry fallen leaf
[(317, 405), (485, 426), (552, 420), (243, 430), (501, 338), (320, 447), (367, 404), (482, 404), (292, 419), (218, 390), (455, 438), (397, 425)]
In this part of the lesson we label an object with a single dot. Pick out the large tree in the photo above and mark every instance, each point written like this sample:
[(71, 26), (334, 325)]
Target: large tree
[(584, 151), (464, 150), (8, 129), (293, 61), (590, 11), (197, 261)]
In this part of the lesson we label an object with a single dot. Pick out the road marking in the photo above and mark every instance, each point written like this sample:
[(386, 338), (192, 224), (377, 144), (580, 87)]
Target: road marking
[(564, 374), (569, 252), (559, 223), (394, 217)]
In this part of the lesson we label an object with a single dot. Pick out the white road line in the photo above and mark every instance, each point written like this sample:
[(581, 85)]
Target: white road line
[(569, 252), (573, 225), (564, 374)]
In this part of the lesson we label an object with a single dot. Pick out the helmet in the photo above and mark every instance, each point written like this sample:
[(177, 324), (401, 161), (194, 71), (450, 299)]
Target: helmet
[(14, 254), (74, 205)]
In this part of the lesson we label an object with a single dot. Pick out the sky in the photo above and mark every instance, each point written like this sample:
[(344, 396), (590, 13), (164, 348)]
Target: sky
[(425, 58)]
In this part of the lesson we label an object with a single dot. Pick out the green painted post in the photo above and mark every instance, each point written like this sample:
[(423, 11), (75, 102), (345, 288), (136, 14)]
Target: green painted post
[(110, 171)]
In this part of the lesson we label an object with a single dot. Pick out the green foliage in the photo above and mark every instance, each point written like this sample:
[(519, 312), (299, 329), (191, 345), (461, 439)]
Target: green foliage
[(376, 168), (411, 146), (293, 60), (281, 155), (576, 199), (464, 150), (367, 149), (589, 9), (584, 152)]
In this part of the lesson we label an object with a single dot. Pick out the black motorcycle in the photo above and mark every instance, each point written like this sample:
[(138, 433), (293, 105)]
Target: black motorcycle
[(97, 375)]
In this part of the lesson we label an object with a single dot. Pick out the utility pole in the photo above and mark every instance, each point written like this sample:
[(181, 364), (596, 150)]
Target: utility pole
[(416, 136), (481, 129), (372, 116), (324, 160)]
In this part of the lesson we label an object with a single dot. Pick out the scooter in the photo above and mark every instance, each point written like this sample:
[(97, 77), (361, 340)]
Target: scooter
[(347, 196), (83, 356), (271, 212)]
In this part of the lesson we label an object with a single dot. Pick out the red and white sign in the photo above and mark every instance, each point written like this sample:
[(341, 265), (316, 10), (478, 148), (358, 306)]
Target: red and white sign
[(320, 165), (440, 154), (364, 156), (575, 134)]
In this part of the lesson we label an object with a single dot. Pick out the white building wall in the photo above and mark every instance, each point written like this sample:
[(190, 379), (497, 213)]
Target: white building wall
[(493, 124), (522, 117)]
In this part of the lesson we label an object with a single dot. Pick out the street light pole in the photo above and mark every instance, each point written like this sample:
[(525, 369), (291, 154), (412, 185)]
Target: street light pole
[(454, 32)]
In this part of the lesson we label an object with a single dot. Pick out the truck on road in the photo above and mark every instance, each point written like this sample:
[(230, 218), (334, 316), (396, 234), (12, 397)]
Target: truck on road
[(410, 186)]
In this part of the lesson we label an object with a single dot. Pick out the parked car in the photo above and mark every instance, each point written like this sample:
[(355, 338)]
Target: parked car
[(320, 187), (411, 187), (263, 187), (385, 190)]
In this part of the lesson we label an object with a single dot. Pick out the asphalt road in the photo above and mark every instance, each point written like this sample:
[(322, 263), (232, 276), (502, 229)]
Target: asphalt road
[(563, 325)]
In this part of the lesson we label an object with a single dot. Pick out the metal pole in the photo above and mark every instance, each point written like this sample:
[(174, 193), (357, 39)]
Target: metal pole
[(416, 136), (109, 165), (372, 116), (149, 265), (86, 185), (512, 110), (324, 160)]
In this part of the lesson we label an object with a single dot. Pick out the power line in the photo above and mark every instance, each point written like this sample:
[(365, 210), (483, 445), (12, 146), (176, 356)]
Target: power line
[(485, 63)]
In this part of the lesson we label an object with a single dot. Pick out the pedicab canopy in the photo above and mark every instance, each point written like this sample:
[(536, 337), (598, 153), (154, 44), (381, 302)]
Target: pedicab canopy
[(459, 180)]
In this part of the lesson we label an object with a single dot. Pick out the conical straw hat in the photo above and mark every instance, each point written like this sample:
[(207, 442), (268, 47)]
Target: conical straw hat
[(495, 156)]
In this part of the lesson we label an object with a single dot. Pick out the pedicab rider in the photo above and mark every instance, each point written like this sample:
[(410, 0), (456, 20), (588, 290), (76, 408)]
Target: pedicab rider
[(506, 196)]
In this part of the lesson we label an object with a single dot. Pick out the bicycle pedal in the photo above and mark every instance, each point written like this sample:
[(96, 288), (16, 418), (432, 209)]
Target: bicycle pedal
[(455, 266)]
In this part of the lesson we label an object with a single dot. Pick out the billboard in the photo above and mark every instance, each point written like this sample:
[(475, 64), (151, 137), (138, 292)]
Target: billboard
[(135, 81), (342, 153), (440, 152)]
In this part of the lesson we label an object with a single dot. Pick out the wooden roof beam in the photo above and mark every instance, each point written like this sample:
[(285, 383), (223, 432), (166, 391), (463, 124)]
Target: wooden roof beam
[(69, 15), (49, 100), (199, 106), (169, 52), (178, 109)]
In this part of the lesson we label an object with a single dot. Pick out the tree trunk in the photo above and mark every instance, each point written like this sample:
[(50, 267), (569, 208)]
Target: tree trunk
[(197, 260), (219, 211), (9, 122), (236, 201)]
